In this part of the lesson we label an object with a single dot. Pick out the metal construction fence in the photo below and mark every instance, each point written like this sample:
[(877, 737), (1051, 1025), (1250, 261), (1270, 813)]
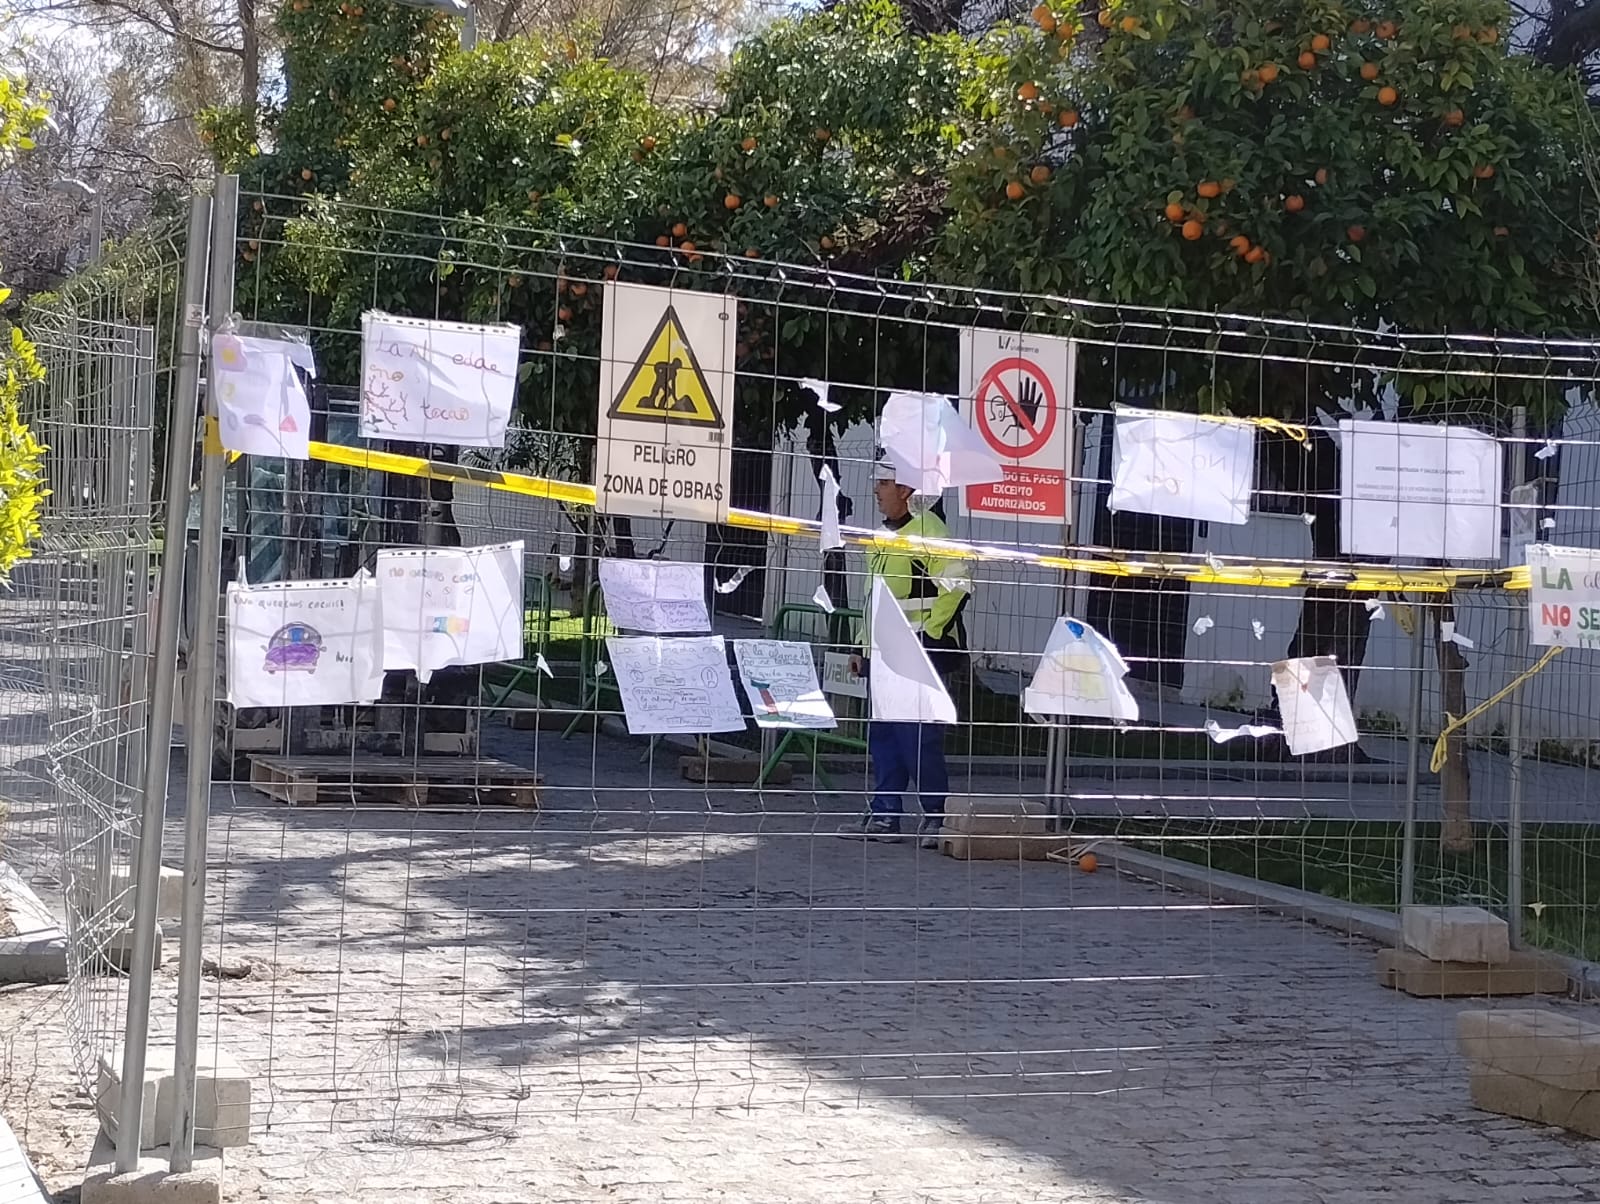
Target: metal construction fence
[(671, 921)]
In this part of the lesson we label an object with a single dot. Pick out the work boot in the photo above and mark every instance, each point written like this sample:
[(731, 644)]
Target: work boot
[(872, 826), (928, 833)]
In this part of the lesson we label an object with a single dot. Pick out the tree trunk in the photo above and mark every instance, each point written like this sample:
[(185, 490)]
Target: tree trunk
[(1455, 779), (250, 64)]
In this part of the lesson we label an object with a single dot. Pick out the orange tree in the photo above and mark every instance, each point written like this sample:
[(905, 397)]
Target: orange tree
[(1357, 164)]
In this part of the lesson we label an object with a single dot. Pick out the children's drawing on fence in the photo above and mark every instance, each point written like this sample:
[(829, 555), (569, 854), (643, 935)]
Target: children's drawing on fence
[(780, 680), (259, 400), (658, 596), (437, 382), (451, 606), (304, 643), (679, 685)]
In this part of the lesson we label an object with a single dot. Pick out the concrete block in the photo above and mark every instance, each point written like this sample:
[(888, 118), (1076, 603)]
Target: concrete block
[(222, 1097), (736, 770), (1455, 934), (117, 952), (152, 1182), (991, 828), (169, 893), (1524, 974), (1527, 1099), (1550, 1047), (35, 949)]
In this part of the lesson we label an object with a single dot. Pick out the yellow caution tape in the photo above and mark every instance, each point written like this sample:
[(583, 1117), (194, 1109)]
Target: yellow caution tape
[(1453, 724), (1357, 578)]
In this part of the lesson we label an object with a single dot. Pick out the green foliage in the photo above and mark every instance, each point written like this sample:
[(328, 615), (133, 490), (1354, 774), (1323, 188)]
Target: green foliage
[(22, 490)]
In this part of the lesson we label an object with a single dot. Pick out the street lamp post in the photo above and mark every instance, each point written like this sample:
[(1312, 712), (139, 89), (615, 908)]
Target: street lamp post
[(81, 191)]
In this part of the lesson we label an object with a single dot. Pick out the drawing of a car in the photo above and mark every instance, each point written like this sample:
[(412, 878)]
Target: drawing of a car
[(293, 649)]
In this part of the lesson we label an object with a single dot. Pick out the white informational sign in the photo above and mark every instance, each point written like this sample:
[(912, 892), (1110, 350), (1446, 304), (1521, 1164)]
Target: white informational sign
[(450, 606), (666, 403), (1080, 673), (1183, 466), (437, 382), (902, 682), (1314, 705), (304, 643), (659, 596), (931, 446), (1563, 596), (780, 680), (1017, 392), (1418, 492), (674, 685), (261, 406), (838, 679)]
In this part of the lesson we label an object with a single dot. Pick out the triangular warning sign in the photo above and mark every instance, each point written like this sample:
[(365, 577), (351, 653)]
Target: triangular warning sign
[(667, 385)]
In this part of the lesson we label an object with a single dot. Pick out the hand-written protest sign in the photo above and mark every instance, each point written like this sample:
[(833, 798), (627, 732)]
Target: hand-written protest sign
[(675, 685), (1563, 597), (780, 679), (304, 643), (659, 596), (1183, 466), (437, 382), (450, 606)]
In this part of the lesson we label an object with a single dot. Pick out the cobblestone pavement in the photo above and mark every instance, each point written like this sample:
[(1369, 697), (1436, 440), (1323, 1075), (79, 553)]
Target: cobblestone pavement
[(664, 995)]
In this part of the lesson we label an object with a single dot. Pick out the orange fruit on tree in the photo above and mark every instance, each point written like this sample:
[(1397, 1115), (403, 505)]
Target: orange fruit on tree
[(1044, 18), (1227, 186), (580, 289), (1321, 42), (1129, 24), (823, 133), (687, 247), (1484, 171), (1360, 25), (1014, 190), (647, 143), (1240, 244), (563, 314), (770, 201), (1321, 177), (305, 173), (1185, 113), (1267, 73), (1355, 233), (1104, 18), (751, 253), (1501, 232), (825, 242), (1488, 36), (388, 104), (1068, 118), (1455, 118), (610, 272), (1388, 97), (1255, 255), (1175, 212), (1369, 71), (1461, 33), (1028, 92), (1039, 174), (732, 201), (1208, 189), (663, 241), (1294, 202), (1307, 60), (680, 230), (748, 145), (422, 140), (1193, 229), (1387, 30)]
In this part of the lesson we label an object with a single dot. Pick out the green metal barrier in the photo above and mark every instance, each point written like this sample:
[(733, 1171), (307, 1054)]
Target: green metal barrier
[(810, 741)]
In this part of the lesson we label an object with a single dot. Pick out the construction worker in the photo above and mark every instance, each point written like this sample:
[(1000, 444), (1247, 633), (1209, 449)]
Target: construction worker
[(932, 592)]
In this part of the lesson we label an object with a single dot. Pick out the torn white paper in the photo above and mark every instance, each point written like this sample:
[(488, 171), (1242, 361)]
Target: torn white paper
[(450, 606), (780, 680), (1204, 624), (1221, 735), (1182, 466), (1449, 635), (1547, 524), (675, 685), (437, 382), (735, 581), (1375, 609), (930, 446), (601, 668), (1419, 492), (260, 404), (1545, 452), (828, 531), (304, 643), (820, 388), (1313, 704), (1308, 518), (659, 596), (902, 681), (543, 665), (820, 597), (1080, 673), (1214, 563), (1258, 628)]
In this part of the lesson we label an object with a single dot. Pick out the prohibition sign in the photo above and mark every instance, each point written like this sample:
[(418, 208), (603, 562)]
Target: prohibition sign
[(1028, 409)]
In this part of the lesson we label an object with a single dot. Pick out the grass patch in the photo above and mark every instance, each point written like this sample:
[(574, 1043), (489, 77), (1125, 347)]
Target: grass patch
[(1360, 861)]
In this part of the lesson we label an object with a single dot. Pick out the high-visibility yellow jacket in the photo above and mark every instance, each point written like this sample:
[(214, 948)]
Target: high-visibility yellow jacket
[(931, 589)]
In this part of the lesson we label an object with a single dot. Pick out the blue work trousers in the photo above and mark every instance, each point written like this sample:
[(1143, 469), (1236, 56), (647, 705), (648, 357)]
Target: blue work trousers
[(902, 752)]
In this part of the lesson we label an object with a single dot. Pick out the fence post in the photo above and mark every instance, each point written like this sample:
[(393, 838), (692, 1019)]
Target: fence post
[(1408, 843), (1517, 633), (200, 724), (164, 673)]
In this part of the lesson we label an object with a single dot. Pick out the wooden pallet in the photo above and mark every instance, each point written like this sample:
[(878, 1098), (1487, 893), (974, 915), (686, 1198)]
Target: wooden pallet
[(395, 781)]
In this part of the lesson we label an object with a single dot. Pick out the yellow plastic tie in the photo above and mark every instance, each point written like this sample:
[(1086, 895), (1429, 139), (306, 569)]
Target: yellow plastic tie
[(1441, 750)]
